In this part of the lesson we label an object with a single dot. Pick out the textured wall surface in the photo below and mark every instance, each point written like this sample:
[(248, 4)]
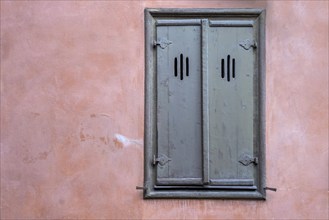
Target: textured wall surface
[(72, 87)]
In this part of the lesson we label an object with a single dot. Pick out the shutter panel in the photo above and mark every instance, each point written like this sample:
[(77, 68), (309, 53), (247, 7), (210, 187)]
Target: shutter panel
[(179, 106), (231, 103)]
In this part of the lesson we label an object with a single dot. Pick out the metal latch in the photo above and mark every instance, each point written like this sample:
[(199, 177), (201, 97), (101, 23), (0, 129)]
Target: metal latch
[(162, 42), (247, 44), (246, 159), (162, 160)]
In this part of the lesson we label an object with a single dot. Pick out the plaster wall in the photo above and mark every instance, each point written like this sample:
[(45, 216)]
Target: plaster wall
[(72, 109)]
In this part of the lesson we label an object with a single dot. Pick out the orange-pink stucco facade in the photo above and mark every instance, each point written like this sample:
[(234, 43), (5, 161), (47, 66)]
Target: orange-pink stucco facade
[(72, 111)]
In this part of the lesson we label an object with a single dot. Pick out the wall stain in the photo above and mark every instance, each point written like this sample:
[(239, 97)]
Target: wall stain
[(35, 114), (96, 130), (104, 140), (32, 159), (82, 136), (122, 141), (118, 144)]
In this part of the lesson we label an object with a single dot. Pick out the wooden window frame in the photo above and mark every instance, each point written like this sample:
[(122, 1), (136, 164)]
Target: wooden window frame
[(151, 190)]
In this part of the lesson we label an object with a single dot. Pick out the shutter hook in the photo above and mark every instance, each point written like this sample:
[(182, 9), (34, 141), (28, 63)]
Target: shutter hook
[(141, 188), (270, 188)]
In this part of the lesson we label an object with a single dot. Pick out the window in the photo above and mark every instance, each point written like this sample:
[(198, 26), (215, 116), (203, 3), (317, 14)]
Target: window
[(205, 103)]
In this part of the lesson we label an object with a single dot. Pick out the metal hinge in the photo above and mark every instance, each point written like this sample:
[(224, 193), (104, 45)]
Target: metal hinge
[(162, 160), (246, 159), (162, 42), (247, 44)]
